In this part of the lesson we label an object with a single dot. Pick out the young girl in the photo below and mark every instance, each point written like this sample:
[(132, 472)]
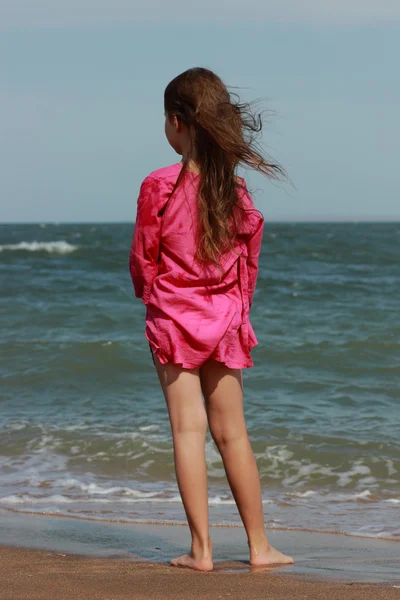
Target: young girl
[(194, 264)]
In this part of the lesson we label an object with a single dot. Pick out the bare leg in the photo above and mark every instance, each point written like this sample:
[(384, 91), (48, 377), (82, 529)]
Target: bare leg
[(182, 392), (223, 392)]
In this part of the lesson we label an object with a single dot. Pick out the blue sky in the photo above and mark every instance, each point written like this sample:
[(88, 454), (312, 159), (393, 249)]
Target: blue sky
[(81, 99)]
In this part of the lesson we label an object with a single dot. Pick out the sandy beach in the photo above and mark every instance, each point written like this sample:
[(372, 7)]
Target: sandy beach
[(45, 575), (46, 557)]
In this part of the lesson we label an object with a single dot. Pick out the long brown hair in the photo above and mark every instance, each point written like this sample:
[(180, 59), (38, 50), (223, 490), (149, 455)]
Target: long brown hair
[(223, 136)]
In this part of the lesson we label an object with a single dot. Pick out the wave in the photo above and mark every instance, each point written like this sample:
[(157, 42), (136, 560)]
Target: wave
[(307, 511), (146, 498), (57, 247), (136, 496)]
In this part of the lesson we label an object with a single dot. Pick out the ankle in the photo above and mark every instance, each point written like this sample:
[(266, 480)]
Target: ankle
[(202, 547), (258, 542)]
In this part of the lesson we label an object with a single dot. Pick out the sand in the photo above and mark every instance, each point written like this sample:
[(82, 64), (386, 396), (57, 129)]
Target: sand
[(53, 558), (42, 575)]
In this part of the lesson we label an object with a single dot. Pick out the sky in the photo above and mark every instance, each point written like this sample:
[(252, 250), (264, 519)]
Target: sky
[(81, 101)]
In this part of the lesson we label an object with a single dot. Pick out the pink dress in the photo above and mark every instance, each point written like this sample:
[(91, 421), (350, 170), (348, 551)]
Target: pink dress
[(193, 314)]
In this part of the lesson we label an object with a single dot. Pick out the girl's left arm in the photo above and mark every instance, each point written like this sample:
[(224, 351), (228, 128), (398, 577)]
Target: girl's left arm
[(143, 258)]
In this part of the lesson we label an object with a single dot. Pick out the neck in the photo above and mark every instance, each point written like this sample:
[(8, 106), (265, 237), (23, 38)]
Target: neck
[(191, 165), (189, 157)]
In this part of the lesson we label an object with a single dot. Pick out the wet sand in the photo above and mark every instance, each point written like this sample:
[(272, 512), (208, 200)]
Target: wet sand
[(46, 557), (43, 575)]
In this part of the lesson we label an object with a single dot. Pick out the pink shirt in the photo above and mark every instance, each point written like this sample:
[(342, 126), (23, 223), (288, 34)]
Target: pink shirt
[(193, 314)]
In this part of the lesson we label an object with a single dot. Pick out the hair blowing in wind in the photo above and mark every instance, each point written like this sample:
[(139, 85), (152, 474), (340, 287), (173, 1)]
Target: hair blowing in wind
[(223, 135)]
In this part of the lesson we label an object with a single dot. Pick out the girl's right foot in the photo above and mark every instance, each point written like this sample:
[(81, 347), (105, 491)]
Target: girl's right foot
[(190, 562), (268, 555), (197, 560)]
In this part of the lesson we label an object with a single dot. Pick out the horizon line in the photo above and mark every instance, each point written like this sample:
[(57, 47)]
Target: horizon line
[(346, 220)]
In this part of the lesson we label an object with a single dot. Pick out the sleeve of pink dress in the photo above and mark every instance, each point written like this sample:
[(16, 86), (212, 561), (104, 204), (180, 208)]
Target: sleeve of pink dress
[(144, 252), (253, 251)]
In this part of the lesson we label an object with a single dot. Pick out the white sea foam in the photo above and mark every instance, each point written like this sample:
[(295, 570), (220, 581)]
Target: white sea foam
[(217, 500), (146, 497), (303, 472), (59, 499), (59, 247), (94, 488), (390, 467), (332, 497), (301, 494), (364, 494), (347, 476), (349, 497), (278, 455), (368, 481), (72, 496), (149, 428), (16, 425), (27, 499)]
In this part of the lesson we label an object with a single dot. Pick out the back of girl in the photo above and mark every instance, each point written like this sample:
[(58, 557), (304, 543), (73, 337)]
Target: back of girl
[(194, 263)]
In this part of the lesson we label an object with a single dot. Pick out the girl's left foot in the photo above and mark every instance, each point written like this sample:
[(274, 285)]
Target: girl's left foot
[(198, 560)]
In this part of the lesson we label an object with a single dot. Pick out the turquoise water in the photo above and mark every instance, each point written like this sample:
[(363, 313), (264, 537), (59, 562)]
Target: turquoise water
[(83, 426)]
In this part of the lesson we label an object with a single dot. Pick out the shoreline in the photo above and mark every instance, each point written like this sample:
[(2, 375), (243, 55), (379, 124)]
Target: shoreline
[(323, 557), (165, 523)]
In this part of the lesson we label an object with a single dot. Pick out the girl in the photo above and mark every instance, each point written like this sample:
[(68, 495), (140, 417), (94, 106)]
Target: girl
[(194, 264)]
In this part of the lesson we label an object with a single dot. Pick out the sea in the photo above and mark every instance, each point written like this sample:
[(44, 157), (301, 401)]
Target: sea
[(84, 430)]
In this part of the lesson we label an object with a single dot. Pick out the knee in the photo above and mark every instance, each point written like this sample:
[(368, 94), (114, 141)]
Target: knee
[(190, 424), (225, 438)]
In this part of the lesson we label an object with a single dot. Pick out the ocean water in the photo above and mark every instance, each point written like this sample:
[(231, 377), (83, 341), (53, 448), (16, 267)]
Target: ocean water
[(84, 430)]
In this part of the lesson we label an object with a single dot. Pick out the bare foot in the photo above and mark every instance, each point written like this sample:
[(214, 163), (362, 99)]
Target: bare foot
[(188, 561), (197, 560), (268, 556)]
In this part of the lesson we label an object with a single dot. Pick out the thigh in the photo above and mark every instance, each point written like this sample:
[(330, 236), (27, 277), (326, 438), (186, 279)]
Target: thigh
[(183, 395), (223, 392)]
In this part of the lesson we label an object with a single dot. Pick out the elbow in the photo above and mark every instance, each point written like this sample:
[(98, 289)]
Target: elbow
[(137, 281)]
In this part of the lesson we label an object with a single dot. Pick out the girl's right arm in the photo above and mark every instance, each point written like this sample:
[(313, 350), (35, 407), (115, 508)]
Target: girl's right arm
[(143, 258)]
